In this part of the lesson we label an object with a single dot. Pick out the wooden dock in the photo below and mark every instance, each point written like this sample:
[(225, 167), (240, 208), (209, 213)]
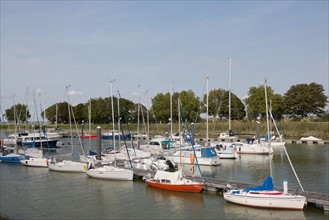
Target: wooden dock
[(217, 185)]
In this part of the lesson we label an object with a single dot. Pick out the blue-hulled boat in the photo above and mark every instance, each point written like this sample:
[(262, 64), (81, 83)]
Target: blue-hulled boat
[(12, 158), (116, 134), (36, 140)]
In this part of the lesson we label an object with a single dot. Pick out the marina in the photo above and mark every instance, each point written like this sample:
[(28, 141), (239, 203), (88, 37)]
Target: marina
[(57, 195), (218, 185)]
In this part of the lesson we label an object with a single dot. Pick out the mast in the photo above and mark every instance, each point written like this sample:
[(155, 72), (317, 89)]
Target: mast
[(207, 110), (180, 136), (148, 119), (229, 97), (119, 120), (268, 128), (113, 127), (89, 122), (170, 110), (56, 117), (138, 106), (69, 109)]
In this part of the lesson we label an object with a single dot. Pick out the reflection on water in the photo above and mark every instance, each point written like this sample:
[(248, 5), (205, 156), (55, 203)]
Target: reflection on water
[(193, 171), (242, 212)]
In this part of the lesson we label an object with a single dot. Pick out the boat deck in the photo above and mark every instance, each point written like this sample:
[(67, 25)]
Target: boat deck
[(217, 185)]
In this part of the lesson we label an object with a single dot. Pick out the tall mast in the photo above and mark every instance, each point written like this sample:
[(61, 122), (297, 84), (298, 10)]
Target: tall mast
[(138, 111), (180, 136), (171, 122), (56, 116), (207, 110), (229, 97), (119, 127), (268, 128), (148, 118), (113, 127)]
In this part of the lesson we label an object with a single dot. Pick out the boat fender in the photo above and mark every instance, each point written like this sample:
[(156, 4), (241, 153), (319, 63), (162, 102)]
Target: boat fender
[(89, 165), (192, 158)]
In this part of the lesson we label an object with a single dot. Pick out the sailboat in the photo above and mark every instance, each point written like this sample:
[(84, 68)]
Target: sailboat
[(12, 157), (242, 147), (222, 152), (110, 172), (174, 181), (69, 165), (265, 196)]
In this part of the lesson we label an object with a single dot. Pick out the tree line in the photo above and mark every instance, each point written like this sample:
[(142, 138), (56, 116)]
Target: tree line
[(300, 101)]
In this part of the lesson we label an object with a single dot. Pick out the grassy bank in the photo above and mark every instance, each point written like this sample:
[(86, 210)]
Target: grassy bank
[(290, 129)]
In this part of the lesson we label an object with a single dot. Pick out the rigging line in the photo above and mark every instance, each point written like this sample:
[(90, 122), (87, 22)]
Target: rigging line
[(125, 115), (77, 130), (44, 126), (123, 134), (191, 140), (70, 121)]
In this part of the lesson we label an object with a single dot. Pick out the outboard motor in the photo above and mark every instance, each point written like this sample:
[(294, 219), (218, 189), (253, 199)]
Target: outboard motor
[(171, 164)]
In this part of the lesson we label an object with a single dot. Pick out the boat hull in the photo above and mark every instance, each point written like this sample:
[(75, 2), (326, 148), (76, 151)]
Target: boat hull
[(207, 161), (252, 149), (89, 136), (12, 158), (176, 187), (68, 166), (281, 201), (126, 136), (36, 162), (45, 144), (111, 173)]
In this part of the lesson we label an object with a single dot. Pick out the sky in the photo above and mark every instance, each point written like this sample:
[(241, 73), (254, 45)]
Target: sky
[(144, 46)]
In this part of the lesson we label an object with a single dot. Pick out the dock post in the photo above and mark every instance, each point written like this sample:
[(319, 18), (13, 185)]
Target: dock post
[(98, 143)]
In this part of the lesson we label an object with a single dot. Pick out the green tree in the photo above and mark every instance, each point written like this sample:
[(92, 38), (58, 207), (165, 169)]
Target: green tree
[(302, 100), (219, 105), (190, 106), (215, 100), (237, 107), (18, 113), (80, 113), (255, 102), (62, 113), (161, 107)]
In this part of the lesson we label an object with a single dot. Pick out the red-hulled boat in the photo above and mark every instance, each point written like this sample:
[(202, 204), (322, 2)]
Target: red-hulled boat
[(174, 181), (89, 136)]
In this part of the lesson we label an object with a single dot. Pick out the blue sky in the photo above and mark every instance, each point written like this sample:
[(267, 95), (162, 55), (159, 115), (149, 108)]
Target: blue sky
[(48, 45)]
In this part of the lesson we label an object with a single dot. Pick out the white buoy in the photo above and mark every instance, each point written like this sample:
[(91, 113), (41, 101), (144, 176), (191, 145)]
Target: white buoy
[(285, 186)]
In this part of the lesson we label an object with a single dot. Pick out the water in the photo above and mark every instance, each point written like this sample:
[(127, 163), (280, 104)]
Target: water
[(36, 193)]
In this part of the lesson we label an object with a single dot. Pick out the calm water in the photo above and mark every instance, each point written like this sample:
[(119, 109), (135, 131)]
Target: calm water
[(36, 193)]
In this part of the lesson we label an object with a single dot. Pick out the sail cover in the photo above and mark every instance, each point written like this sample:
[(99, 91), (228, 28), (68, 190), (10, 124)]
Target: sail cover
[(267, 185)]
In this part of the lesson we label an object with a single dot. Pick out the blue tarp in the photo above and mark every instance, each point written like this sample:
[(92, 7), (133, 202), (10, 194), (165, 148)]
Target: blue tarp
[(267, 185)]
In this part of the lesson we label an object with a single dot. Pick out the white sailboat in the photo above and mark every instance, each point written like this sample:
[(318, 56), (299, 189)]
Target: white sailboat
[(224, 150), (265, 196), (69, 165), (110, 172), (242, 147), (34, 156)]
